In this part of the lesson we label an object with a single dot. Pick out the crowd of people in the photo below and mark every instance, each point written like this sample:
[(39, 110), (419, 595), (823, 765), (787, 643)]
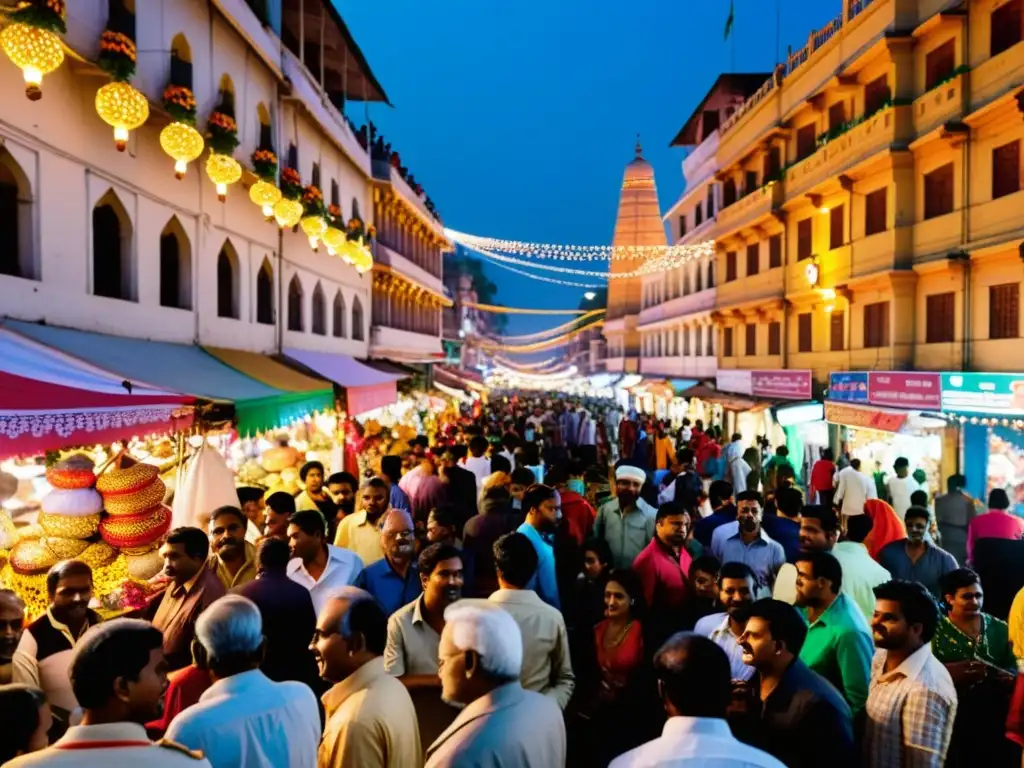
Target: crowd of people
[(549, 582)]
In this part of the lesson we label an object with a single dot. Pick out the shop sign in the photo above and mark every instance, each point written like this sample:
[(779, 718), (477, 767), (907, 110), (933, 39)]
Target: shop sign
[(848, 387), (732, 380), (913, 390), (992, 393), (782, 385), (864, 418)]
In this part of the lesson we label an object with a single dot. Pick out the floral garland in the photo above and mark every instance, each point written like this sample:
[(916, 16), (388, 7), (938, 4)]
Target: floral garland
[(313, 202), (180, 104), (291, 184), (264, 162), (222, 132), (65, 424), (117, 55), (41, 14)]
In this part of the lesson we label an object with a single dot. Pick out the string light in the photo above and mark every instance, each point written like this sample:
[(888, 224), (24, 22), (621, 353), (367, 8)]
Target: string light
[(498, 309), (542, 278), (549, 331), (678, 253), (524, 366), (651, 266), (536, 347)]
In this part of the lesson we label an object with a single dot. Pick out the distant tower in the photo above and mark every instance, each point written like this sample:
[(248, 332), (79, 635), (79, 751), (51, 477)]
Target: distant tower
[(638, 223)]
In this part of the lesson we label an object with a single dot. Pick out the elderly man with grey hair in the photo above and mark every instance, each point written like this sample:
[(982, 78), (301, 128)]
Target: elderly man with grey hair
[(371, 720), (245, 718), (481, 655)]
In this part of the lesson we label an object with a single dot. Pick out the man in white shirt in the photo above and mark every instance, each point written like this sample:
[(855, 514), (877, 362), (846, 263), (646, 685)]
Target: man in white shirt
[(695, 687), (901, 486), (318, 566), (861, 572), (852, 489), (245, 718), (477, 462)]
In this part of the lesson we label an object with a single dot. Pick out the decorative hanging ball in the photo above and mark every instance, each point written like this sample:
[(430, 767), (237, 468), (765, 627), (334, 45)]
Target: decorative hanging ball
[(122, 107), (223, 170), (334, 239), (265, 194), (347, 252), (35, 51), (183, 143), (314, 227), (362, 257), (287, 212)]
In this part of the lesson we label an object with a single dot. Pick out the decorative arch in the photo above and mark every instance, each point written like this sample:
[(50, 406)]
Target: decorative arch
[(175, 266), (338, 316), (228, 284), (319, 310), (358, 334), (17, 254), (295, 296), (180, 48), (265, 293), (112, 268), (265, 139)]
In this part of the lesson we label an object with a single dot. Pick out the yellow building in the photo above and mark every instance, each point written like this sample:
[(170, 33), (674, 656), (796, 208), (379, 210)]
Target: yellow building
[(872, 207)]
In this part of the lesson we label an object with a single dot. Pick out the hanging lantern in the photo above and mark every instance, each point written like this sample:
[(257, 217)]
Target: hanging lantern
[(266, 195), (363, 258), (314, 227), (334, 239), (35, 51), (223, 170), (122, 107), (287, 212), (347, 251), (183, 143)]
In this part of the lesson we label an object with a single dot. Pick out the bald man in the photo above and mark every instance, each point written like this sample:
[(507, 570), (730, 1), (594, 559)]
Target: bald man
[(394, 580)]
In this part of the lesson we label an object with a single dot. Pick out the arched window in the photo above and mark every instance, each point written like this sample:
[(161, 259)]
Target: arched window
[(357, 319), (338, 312), (16, 251), (711, 274), (265, 294), (175, 267), (295, 304), (181, 61), (227, 282), (112, 249), (265, 139), (319, 311)]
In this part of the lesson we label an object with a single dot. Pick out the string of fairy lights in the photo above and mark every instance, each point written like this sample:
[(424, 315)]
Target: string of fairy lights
[(570, 252), (653, 264), (547, 331)]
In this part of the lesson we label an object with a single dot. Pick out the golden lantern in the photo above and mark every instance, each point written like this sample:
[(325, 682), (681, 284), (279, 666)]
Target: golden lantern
[(35, 51), (287, 212), (362, 257), (183, 143), (314, 227), (265, 194), (334, 239), (122, 107), (223, 170), (348, 251)]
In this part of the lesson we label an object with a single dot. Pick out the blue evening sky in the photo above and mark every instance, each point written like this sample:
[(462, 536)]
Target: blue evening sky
[(518, 116)]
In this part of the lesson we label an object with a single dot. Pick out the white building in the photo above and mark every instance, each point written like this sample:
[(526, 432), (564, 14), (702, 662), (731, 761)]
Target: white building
[(110, 242)]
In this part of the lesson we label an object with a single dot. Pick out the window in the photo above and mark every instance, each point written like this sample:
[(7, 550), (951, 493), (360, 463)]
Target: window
[(876, 94), (697, 217), (699, 275), (111, 249), (708, 123), (836, 115), (295, 304), (837, 331), (836, 237), (876, 325), (16, 252), (730, 266), (710, 342), (753, 259), (751, 345), (775, 251), (727, 342), (227, 282), (1004, 311), (772, 163), (875, 211), (686, 280), (806, 141), (357, 320), (319, 311), (181, 62), (1007, 26), (803, 328), (775, 338), (1006, 169), (682, 225), (749, 182), (265, 294), (939, 64), (939, 317), (293, 156), (938, 192), (175, 267), (804, 241), (259, 7), (710, 202), (728, 192), (698, 333), (335, 193), (711, 275), (686, 342)]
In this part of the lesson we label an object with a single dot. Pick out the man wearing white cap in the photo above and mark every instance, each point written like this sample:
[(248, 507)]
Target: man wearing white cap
[(627, 521)]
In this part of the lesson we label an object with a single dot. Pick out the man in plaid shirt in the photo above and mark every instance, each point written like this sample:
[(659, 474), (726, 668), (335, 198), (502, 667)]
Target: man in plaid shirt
[(911, 702)]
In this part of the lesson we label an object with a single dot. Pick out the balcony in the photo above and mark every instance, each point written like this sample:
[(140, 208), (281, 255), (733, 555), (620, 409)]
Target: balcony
[(996, 75), (938, 105), (681, 306), (243, 18), (998, 219), (937, 235), (764, 285), (394, 343), (390, 257), (680, 367), (891, 126), (384, 171), (748, 210), (881, 252)]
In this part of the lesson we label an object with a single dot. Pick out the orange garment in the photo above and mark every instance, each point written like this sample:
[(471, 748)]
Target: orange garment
[(886, 526), (664, 452)]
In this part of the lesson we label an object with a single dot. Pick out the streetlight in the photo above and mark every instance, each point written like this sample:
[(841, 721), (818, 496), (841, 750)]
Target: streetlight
[(589, 295)]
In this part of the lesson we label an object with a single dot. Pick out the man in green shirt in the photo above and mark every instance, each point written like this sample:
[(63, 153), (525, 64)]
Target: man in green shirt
[(839, 646)]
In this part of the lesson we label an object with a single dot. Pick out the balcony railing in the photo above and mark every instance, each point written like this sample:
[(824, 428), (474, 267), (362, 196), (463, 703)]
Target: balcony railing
[(938, 105), (749, 209)]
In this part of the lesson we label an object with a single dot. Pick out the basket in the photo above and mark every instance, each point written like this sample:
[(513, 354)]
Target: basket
[(69, 527), (135, 531), (136, 502)]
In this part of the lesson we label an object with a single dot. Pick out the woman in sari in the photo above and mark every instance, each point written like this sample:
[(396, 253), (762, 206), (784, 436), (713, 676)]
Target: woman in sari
[(886, 526)]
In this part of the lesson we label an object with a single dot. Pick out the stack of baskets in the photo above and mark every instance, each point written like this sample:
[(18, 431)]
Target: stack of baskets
[(136, 518)]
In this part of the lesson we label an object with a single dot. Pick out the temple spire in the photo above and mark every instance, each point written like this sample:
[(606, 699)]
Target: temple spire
[(639, 149)]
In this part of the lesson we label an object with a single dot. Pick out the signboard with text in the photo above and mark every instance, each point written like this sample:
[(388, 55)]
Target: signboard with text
[(910, 390), (772, 385), (856, 416), (992, 393), (848, 387), (732, 380)]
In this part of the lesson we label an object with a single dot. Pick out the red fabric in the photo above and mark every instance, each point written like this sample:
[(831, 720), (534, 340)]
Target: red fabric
[(578, 514), (20, 394), (362, 399), (708, 449), (663, 575), (886, 526), (185, 686), (1015, 716), (619, 662), (627, 438), (821, 475)]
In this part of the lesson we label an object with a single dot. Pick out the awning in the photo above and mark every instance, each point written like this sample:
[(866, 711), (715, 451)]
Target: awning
[(680, 385), (365, 388), (726, 400), (385, 366)]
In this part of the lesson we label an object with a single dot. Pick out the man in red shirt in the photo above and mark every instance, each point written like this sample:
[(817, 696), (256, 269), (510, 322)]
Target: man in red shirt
[(822, 476), (576, 510), (663, 566)]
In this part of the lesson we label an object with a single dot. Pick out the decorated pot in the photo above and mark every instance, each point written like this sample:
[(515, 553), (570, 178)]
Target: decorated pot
[(136, 502), (66, 526), (80, 502), (136, 530)]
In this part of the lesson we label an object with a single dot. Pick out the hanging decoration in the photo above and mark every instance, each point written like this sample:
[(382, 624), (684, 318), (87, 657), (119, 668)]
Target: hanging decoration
[(652, 264), (547, 332), (288, 210), (334, 237), (674, 253), (265, 192), (519, 311), (357, 252), (314, 215), (542, 278), (549, 344), (31, 40), (118, 104), (222, 135), (180, 140)]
